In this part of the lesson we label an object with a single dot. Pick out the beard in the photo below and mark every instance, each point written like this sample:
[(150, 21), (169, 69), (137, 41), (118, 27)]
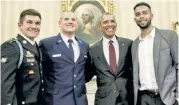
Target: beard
[(145, 26)]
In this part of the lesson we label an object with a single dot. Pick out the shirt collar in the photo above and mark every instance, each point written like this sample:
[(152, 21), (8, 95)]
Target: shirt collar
[(25, 37), (152, 34), (65, 38), (105, 40)]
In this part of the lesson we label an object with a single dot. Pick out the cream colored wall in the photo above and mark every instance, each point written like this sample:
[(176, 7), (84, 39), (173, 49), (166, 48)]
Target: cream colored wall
[(165, 12), (10, 10)]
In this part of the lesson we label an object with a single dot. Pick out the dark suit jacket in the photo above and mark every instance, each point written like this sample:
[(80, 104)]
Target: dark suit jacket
[(165, 55), (109, 83), (64, 80), (21, 85)]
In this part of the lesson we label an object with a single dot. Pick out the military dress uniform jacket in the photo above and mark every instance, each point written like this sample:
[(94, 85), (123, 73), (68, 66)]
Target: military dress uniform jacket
[(23, 85), (64, 79)]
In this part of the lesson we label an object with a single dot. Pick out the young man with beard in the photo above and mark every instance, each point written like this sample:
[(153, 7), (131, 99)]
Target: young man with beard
[(155, 61), (21, 82), (110, 60)]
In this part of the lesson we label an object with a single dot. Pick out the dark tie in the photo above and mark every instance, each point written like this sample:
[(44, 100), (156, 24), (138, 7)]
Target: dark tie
[(70, 41), (112, 56)]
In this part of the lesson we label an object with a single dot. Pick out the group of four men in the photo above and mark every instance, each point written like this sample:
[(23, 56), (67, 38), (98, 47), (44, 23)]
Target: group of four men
[(143, 72)]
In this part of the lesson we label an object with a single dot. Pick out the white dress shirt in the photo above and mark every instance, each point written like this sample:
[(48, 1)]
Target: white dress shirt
[(106, 48), (75, 46), (146, 63), (25, 37)]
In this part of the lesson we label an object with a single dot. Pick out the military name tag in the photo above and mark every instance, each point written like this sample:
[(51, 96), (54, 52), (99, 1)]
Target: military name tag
[(30, 60)]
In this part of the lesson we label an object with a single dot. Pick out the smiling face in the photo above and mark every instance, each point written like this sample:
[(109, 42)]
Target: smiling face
[(30, 26), (143, 16), (68, 23), (108, 25)]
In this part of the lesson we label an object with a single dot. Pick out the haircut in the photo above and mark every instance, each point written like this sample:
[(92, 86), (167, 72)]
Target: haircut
[(142, 4), (89, 12), (65, 13), (104, 14), (32, 12)]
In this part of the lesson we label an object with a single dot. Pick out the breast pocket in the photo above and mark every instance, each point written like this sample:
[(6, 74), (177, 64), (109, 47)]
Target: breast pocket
[(60, 61)]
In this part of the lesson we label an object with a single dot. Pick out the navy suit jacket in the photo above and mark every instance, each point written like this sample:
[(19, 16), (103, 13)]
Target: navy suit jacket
[(64, 79)]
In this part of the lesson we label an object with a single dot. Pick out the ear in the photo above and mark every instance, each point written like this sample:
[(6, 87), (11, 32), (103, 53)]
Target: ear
[(59, 23), (135, 19), (19, 25), (77, 24)]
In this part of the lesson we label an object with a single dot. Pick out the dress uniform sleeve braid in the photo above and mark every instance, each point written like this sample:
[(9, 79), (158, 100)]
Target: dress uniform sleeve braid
[(9, 59)]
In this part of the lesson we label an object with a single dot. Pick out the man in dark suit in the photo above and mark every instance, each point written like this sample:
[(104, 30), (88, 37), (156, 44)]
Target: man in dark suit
[(64, 58), (22, 85), (110, 60), (155, 61)]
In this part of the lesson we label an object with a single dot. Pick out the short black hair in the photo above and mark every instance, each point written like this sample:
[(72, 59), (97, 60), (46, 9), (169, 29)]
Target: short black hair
[(105, 13), (142, 4), (28, 12)]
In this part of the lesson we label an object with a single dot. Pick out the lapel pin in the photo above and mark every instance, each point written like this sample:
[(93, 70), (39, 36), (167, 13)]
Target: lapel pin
[(24, 42)]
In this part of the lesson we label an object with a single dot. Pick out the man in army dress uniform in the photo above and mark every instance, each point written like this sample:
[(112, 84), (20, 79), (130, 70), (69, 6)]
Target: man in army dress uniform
[(22, 86)]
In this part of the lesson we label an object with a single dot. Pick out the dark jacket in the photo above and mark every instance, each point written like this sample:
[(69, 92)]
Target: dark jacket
[(114, 88), (64, 79), (23, 85)]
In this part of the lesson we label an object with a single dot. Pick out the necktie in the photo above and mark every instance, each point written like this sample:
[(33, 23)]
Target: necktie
[(70, 41), (112, 56), (112, 60)]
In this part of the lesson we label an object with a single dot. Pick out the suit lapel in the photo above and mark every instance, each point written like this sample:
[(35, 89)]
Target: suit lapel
[(121, 53), (26, 45), (135, 50), (156, 48), (82, 50), (62, 47), (39, 52), (135, 61), (101, 57)]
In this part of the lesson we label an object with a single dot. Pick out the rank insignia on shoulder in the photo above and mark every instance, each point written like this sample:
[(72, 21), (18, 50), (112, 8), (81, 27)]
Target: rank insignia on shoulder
[(3, 60), (31, 72)]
